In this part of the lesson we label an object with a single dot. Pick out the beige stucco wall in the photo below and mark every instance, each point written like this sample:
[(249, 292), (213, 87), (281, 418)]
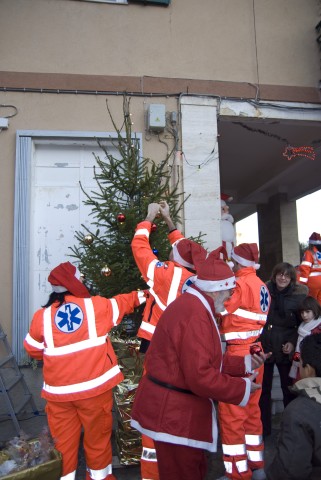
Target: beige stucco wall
[(270, 42)]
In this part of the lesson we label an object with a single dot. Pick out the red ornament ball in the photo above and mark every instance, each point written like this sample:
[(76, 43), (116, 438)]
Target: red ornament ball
[(296, 356), (255, 349), (121, 218), (153, 227)]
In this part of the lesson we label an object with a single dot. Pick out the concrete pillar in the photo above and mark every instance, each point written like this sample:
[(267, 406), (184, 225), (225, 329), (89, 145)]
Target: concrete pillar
[(278, 234), (200, 166)]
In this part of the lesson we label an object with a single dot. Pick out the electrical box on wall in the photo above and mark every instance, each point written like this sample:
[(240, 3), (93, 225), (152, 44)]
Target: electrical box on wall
[(156, 120)]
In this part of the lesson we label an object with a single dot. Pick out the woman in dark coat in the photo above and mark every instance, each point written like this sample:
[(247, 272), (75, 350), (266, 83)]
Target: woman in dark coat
[(279, 335)]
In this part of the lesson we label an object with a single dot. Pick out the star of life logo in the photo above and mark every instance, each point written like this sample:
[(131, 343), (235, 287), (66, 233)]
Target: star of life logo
[(318, 256), (69, 317), (188, 282), (264, 299)]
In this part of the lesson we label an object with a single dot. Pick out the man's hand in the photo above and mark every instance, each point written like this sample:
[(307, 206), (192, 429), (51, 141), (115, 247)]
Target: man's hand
[(152, 211), (258, 359), (254, 386), (164, 210)]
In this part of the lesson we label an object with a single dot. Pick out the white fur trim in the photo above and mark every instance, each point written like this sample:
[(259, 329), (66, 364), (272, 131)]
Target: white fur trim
[(215, 285), (178, 259), (244, 262)]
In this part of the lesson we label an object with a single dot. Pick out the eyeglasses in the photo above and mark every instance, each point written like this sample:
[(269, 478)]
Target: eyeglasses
[(285, 275)]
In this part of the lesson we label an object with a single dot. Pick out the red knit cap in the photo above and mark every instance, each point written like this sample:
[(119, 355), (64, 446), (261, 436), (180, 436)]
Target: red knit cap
[(315, 239), (65, 278), (188, 253), (214, 274), (246, 254)]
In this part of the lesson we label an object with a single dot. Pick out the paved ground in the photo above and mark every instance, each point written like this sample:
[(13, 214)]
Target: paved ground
[(33, 425)]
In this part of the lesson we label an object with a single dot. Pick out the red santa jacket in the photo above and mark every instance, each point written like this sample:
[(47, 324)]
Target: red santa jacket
[(310, 265), (166, 280), (72, 340), (246, 310), (186, 354)]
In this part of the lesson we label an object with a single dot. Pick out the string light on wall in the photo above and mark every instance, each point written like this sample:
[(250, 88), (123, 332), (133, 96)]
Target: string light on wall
[(289, 151), (292, 152), (206, 161)]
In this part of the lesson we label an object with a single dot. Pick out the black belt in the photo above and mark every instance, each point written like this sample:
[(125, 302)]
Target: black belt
[(168, 385)]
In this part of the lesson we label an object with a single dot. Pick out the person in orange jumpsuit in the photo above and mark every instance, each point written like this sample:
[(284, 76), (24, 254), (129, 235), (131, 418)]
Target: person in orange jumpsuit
[(310, 267), (70, 335), (242, 321), (167, 280)]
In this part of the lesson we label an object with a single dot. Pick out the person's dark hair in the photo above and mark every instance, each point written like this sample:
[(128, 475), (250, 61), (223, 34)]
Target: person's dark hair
[(310, 348), (285, 268), (56, 297), (310, 303)]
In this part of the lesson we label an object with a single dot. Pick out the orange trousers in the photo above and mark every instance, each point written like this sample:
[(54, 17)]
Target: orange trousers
[(314, 286), (148, 460), (94, 415), (241, 430)]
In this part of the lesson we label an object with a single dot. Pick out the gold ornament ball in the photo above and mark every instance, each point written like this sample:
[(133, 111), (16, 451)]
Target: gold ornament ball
[(105, 271), (88, 239)]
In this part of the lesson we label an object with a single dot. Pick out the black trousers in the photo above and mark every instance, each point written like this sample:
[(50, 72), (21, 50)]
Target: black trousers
[(265, 400)]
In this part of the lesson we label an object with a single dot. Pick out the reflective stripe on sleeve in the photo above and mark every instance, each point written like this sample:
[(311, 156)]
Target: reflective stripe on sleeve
[(303, 280), (115, 308), (81, 387), (141, 297), (240, 335), (142, 231), (250, 315), (31, 341), (314, 274), (308, 264)]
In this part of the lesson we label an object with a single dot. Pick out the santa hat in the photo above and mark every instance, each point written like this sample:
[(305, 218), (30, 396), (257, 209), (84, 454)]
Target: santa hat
[(225, 198), (188, 253), (65, 277), (214, 274), (315, 239), (246, 254)]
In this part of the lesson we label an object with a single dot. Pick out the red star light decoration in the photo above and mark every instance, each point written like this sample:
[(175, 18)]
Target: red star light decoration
[(291, 152)]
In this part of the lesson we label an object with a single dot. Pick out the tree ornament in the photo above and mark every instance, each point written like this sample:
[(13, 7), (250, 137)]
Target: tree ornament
[(155, 251), (121, 218), (88, 239), (255, 349), (105, 271), (153, 227), (296, 356)]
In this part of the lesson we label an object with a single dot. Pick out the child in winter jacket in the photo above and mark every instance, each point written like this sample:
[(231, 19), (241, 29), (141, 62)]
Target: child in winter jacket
[(310, 311), (298, 455)]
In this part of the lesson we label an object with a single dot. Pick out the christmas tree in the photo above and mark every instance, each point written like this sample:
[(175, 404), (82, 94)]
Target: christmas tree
[(126, 184)]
